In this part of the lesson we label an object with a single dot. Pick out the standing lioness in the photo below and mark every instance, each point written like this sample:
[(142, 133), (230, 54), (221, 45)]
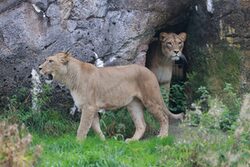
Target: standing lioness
[(163, 54), (95, 88)]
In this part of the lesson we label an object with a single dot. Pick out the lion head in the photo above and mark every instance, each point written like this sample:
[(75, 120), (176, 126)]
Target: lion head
[(172, 44), (55, 66)]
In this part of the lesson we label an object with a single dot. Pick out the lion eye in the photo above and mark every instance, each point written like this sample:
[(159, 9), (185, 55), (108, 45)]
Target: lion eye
[(169, 43), (51, 61), (179, 43)]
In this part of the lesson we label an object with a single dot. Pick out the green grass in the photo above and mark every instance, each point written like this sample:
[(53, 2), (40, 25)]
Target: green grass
[(67, 151)]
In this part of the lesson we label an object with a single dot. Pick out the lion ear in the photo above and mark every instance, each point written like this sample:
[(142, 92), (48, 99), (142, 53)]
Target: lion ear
[(163, 36), (183, 36), (64, 58)]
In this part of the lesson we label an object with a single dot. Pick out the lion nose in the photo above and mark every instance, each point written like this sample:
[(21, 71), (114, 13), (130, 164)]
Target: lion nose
[(176, 52)]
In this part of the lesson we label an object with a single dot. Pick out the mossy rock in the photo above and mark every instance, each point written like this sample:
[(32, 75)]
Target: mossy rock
[(214, 66)]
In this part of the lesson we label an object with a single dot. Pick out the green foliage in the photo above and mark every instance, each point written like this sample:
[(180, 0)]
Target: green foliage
[(204, 97), (48, 121), (45, 97), (193, 118), (227, 119), (176, 98), (208, 145), (230, 98), (232, 103), (119, 125), (225, 115)]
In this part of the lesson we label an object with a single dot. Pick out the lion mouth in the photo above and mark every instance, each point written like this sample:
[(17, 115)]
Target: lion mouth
[(175, 58), (180, 57), (49, 77)]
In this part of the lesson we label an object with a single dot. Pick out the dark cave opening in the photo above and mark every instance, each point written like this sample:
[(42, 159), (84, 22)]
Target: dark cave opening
[(180, 67), (176, 97)]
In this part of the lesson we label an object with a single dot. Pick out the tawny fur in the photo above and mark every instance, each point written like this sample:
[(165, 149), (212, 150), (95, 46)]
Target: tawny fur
[(95, 88), (163, 53)]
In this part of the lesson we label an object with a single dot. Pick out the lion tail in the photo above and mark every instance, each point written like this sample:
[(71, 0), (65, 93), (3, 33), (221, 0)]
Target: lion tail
[(175, 116)]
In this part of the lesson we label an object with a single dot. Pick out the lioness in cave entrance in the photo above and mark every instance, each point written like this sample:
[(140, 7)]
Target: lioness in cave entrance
[(95, 88), (163, 54)]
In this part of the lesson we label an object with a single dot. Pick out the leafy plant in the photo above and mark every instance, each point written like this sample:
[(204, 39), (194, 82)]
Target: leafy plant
[(230, 98), (232, 103), (176, 98), (204, 97)]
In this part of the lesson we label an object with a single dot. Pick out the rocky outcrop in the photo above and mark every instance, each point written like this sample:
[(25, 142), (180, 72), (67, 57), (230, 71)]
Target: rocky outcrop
[(214, 26), (119, 31)]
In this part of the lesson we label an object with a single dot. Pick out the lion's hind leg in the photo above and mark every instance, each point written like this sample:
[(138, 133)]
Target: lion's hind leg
[(135, 109), (158, 112), (96, 126)]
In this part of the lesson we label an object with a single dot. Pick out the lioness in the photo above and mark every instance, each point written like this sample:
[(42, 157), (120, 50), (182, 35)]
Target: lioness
[(95, 88), (163, 54)]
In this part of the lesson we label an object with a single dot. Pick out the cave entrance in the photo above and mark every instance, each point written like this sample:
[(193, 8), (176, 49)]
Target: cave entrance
[(180, 66), (176, 97)]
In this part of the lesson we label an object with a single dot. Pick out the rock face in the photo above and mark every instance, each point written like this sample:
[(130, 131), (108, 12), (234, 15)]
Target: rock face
[(119, 31), (221, 22)]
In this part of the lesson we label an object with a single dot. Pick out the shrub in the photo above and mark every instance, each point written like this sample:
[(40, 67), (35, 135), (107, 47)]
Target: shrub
[(232, 103), (204, 96), (15, 147), (213, 142), (176, 99), (224, 109)]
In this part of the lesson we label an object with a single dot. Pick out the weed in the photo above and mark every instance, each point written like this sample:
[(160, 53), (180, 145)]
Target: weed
[(232, 103), (204, 96), (15, 147)]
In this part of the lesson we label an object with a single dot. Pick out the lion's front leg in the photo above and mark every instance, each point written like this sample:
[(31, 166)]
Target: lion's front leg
[(87, 118)]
